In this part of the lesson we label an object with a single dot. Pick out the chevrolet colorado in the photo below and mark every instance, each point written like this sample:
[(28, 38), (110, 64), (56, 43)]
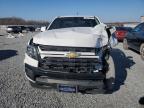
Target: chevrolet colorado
[(71, 54)]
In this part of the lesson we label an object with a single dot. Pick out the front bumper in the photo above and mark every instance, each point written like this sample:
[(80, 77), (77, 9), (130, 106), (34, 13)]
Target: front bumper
[(37, 75)]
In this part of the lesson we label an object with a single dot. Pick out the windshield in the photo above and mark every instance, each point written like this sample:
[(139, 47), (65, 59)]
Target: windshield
[(73, 22)]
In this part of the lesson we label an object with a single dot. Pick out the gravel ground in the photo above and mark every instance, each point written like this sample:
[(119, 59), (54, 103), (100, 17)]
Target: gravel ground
[(15, 91)]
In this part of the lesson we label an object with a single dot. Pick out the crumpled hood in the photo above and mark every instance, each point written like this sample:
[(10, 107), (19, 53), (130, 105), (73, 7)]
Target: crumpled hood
[(75, 37)]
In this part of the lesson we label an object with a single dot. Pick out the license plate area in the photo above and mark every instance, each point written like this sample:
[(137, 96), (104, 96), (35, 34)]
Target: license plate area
[(67, 88)]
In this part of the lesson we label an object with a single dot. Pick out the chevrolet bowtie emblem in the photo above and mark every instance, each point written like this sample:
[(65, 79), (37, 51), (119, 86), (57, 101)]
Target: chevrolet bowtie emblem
[(72, 55)]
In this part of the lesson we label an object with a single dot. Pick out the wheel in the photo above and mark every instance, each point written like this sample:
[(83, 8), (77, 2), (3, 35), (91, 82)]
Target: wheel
[(142, 51), (125, 44), (110, 76)]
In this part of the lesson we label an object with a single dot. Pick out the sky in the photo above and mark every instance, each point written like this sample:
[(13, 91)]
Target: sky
[(106, 10)]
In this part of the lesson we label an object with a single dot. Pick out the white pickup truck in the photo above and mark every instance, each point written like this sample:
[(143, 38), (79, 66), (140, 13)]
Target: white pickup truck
[(71, 54)]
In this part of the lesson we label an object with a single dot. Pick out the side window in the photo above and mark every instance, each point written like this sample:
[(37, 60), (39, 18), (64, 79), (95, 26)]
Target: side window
[(139, 28)]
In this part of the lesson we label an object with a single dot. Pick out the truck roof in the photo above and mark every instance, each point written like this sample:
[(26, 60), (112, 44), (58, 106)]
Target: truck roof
[(77, 16)]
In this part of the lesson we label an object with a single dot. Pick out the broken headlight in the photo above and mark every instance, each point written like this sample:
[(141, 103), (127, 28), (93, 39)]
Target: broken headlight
[(31, 50)]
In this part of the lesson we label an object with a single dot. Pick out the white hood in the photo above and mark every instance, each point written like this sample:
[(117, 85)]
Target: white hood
[(75, 37)]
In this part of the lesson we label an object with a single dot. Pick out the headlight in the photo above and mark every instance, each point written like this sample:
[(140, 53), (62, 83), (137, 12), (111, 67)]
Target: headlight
[(31, 51)]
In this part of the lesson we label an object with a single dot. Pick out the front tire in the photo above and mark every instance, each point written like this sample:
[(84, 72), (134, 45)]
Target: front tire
[(142, 51)]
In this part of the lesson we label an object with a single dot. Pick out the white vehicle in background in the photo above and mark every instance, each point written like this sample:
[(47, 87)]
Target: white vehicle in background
[(9, 29), (72, 54), (14, 29)]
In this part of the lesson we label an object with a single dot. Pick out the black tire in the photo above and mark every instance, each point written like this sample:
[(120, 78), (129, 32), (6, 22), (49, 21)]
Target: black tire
[(125, 44), (110, 76), (142, 51)]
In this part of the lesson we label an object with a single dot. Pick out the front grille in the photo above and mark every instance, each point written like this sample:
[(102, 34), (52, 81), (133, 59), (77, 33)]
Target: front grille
[(78, 65), (63, 48)]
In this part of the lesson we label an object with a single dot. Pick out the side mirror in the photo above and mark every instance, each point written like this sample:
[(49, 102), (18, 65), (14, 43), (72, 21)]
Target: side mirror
[(43, 28)]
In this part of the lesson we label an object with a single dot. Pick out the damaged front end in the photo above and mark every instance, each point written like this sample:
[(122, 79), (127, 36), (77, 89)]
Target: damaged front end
[(68, 57), (68, 64), (74, 61)]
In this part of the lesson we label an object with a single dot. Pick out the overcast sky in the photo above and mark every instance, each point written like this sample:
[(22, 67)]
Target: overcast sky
[(106, 10)]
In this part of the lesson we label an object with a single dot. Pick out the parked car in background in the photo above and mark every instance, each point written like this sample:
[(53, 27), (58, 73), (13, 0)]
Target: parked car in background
[(30, 28), (121, 32), (27, 28), (23, 28), (14, 29), (135, 39), (9, 29)]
